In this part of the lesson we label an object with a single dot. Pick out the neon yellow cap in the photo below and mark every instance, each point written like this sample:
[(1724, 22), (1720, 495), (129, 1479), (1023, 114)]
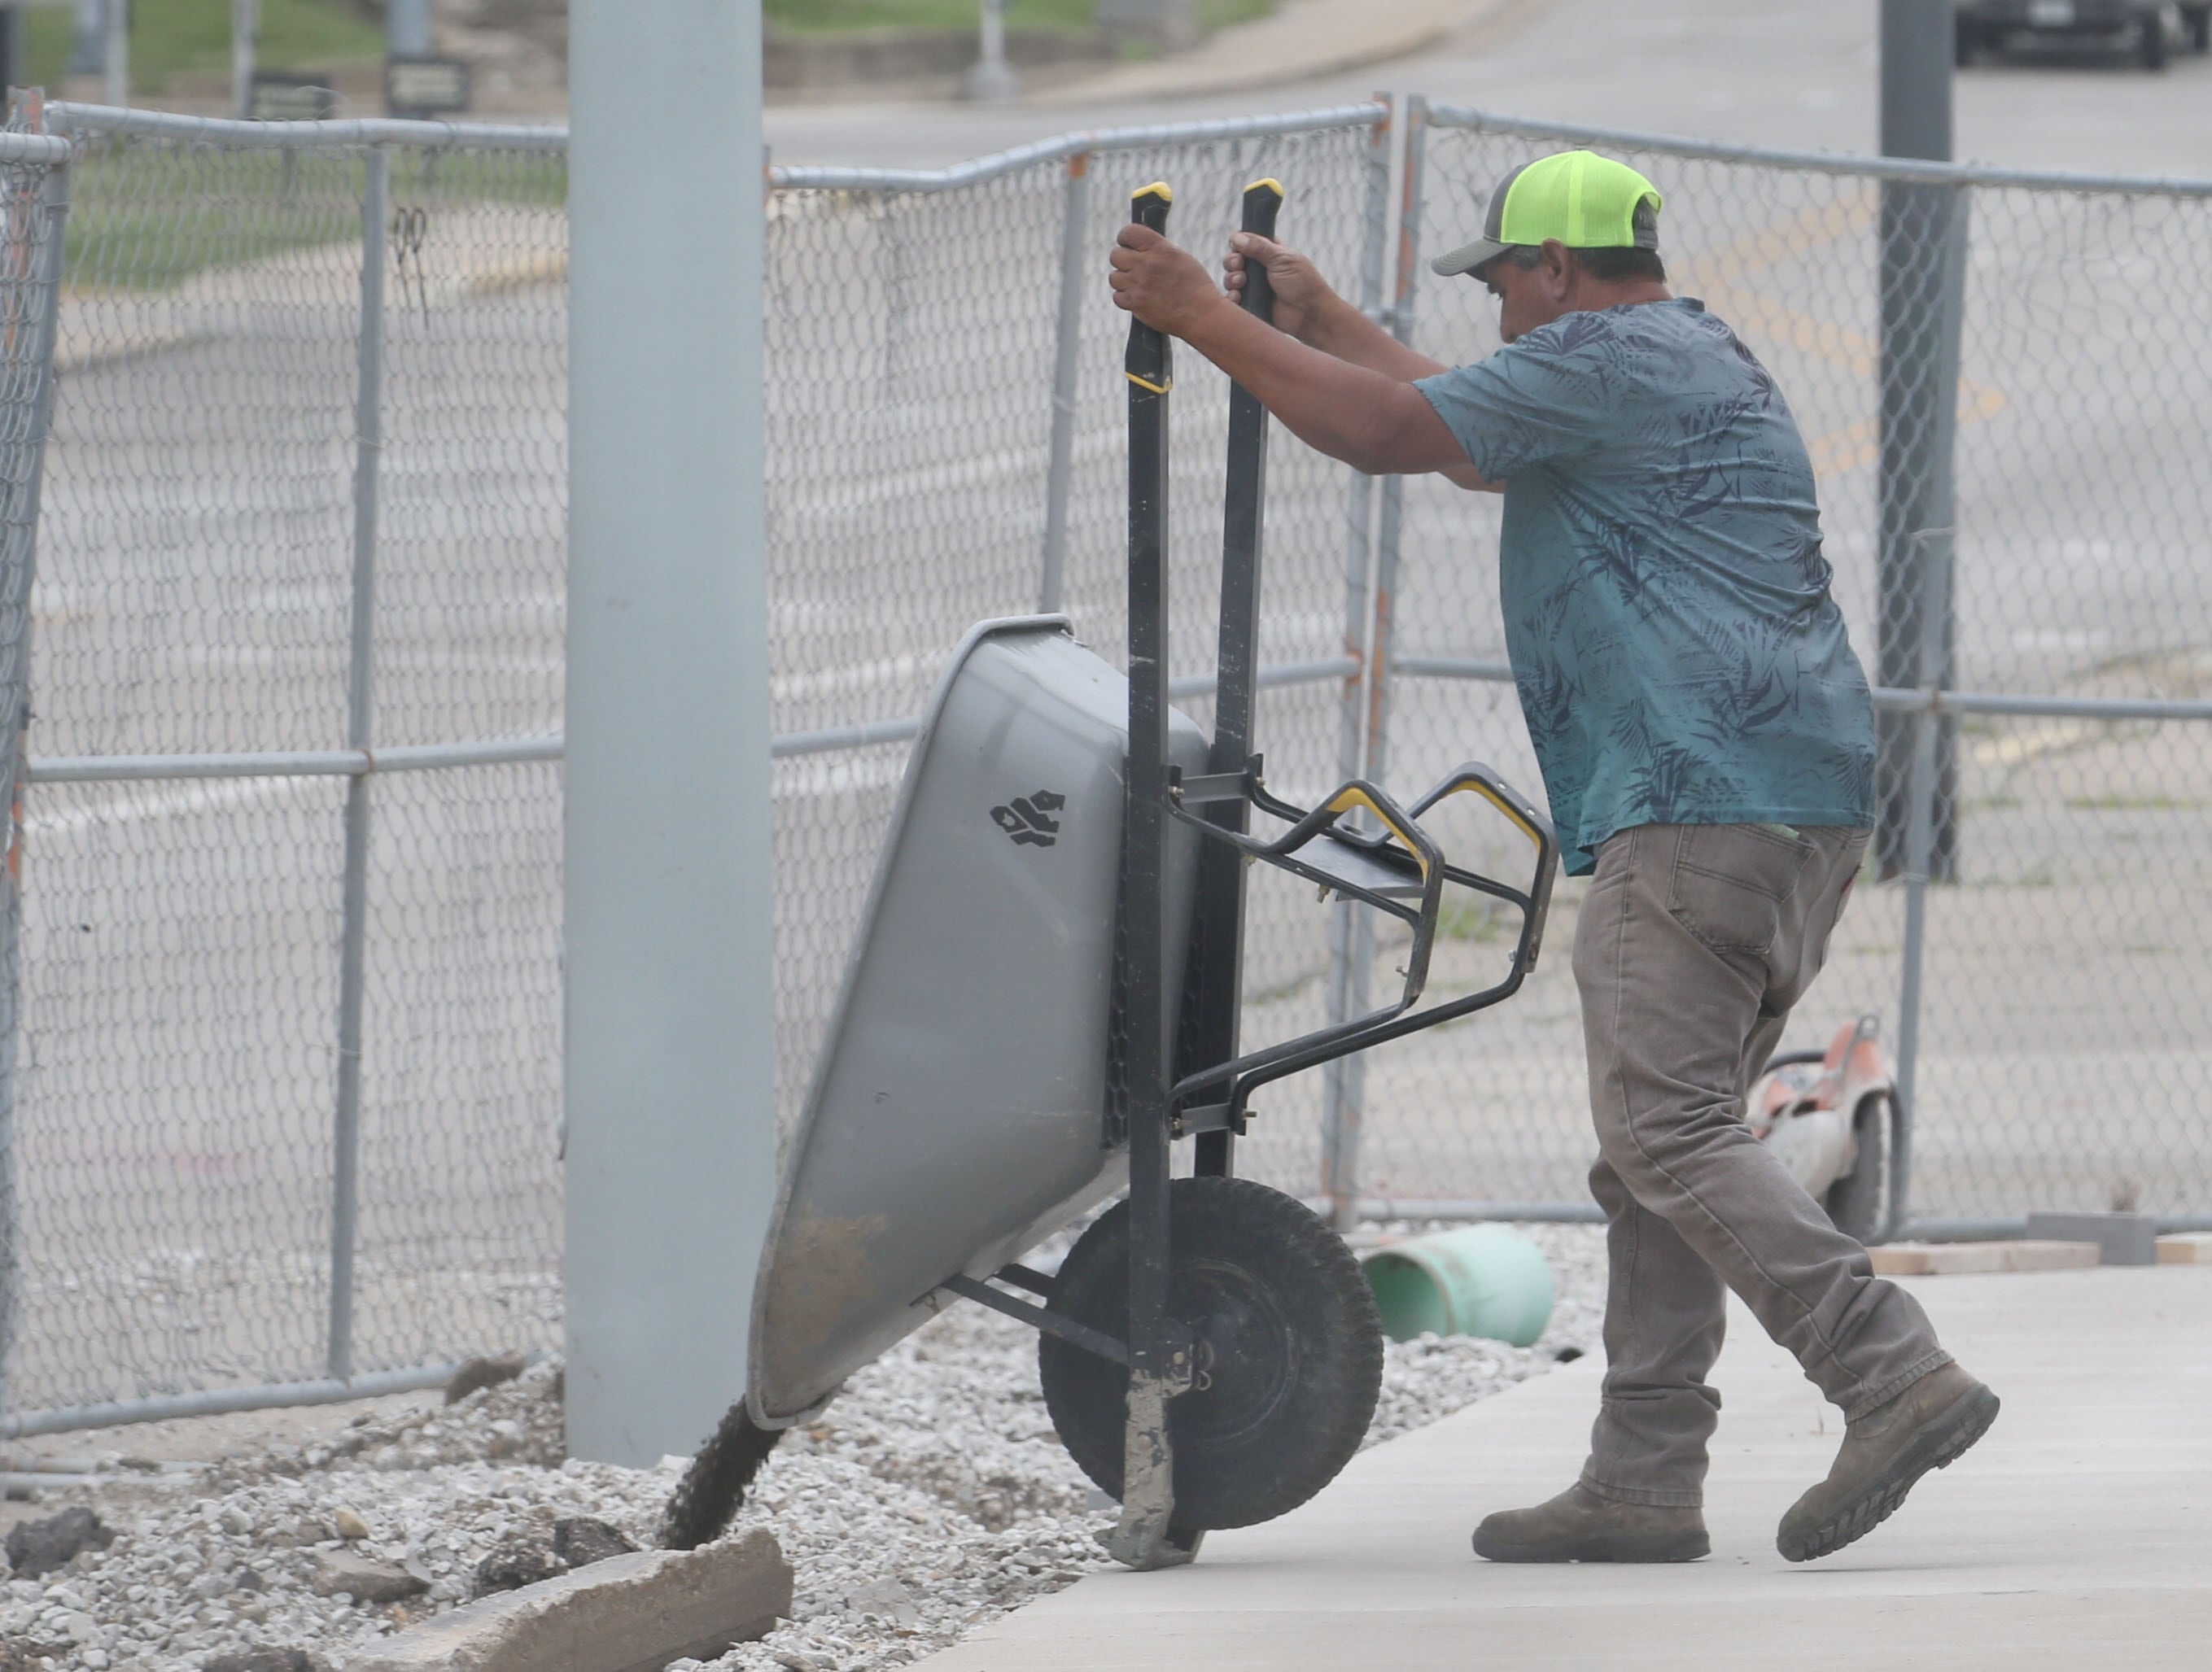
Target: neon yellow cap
[(1585, 201)]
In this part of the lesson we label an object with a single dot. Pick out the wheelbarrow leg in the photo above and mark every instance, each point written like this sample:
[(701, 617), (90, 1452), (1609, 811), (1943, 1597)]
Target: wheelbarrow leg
[(1145, 1537), (1160, 1358)]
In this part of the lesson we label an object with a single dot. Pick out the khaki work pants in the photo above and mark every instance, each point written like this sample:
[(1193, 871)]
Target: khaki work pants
[(1693, 943)]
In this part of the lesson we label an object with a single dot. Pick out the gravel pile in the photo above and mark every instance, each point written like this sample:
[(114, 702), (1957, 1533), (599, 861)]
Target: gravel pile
[(931, 1497)]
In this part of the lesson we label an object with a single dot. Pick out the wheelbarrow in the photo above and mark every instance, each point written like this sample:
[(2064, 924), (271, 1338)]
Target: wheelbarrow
[(1043, 999)]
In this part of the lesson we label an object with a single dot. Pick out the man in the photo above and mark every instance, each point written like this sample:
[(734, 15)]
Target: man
[(1706, 739)]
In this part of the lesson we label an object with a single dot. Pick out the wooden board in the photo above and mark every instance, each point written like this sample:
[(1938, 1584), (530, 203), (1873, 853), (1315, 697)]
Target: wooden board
[(1937, 1259), (2192, 1248)]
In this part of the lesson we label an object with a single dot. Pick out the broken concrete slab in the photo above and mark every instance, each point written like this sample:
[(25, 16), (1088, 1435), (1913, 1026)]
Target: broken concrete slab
[(1927, 1259), (2127, 1240), (627, 1614), (2189, 1248)]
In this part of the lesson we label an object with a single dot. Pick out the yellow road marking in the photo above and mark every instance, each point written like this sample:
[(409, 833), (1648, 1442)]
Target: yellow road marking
[(1722, 273), (2017, 751)]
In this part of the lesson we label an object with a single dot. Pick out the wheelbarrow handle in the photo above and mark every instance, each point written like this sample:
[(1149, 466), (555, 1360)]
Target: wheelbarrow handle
[(1262, 199), (1146, 360)]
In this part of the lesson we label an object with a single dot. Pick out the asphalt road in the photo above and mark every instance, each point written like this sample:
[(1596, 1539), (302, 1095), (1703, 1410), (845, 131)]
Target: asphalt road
[(180, 941)]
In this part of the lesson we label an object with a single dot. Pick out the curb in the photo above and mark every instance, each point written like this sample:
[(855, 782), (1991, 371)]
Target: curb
[(1307, 40), (1145, 81), (627, 1613)]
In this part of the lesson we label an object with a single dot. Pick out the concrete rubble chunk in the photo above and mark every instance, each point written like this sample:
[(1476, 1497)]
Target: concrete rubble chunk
[(633, 1613), (518, 1563), (488, 1373), (365, 1581), (38, 1547), (581, 1540), (2191, 1248), (1922, 1259)]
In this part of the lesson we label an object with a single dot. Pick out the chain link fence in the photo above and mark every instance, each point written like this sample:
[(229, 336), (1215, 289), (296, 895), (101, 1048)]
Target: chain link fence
[(287, 1092), (284, 1114)]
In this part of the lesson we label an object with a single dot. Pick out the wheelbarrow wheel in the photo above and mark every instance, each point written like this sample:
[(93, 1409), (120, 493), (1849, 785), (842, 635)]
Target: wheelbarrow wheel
[(1289, 1348)]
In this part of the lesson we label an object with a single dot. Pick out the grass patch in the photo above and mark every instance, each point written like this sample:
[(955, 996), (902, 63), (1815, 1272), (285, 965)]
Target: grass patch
[(2131, 804), (149, 217), (172, 38), (824, 17)]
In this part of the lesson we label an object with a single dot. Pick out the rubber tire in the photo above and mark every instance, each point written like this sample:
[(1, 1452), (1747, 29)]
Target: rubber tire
[(1297, 1359), (2199, 20), (1968, 44), (1854, 1202)]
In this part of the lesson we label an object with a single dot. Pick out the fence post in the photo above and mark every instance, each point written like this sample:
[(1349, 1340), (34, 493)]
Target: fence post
[(1921, 282), (1379, 639), (1351, 948), (34, 263), (1394, 487), (1075, 217), (1934, 561), (353, 928)]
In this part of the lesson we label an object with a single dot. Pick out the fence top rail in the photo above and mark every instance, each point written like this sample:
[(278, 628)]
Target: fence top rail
[(1816, 163), (33, 148), (813, 179), (305, 136)]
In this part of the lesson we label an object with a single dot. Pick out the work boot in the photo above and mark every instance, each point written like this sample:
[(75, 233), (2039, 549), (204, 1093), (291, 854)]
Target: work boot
[(1884, 1452), (1578, 1526)]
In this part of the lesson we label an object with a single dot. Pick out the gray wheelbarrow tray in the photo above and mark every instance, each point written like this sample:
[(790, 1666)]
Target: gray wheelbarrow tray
[(958, 1114)]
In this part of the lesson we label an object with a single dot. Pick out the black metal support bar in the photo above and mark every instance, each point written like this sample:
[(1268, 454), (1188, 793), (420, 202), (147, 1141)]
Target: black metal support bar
[(1075, 1334), (1210, 787), (1021, 1277)]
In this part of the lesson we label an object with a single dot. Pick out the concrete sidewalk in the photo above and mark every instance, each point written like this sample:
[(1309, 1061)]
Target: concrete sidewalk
[(2074, 1536)]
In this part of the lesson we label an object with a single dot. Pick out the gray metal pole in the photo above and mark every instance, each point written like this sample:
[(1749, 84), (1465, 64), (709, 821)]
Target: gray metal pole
[(989, 79), (244, 29), (1074, 284), (88, 46), (1922, 279), (115, 59), (669, 1055), (407, 27), (30, 327), (1350, 938), (1934, 554), (353, 921), (1381, 642)]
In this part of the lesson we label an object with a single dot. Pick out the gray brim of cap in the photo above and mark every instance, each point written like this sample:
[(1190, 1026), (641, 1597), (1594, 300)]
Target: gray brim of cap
[(1468, 258)]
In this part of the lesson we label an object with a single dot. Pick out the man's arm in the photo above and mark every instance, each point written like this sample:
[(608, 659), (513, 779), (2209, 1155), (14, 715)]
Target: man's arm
[(1309, 310), (1316, 315), (1368, 418)]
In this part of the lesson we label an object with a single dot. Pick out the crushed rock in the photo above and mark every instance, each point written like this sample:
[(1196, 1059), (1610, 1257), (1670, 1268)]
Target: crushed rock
[(930, 1498)]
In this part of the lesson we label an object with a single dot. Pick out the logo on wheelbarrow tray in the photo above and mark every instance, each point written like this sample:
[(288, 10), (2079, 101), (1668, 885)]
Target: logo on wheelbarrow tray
[(1028, 819)]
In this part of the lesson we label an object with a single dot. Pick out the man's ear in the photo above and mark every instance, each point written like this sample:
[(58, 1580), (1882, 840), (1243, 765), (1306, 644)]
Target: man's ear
[(1556, 269)]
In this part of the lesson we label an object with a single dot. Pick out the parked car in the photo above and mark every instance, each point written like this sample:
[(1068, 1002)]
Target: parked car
[(2146, 28)]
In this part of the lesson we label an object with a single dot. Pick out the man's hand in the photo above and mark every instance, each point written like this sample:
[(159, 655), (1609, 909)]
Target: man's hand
[(1162, 285), (1300, 293)]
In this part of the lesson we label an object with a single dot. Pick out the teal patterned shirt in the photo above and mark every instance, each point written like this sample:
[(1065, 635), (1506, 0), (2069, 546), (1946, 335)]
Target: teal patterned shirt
[(1678, 656)]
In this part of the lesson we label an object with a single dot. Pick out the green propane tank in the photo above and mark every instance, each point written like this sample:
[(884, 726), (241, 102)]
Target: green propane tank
[(1479, 1279)]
